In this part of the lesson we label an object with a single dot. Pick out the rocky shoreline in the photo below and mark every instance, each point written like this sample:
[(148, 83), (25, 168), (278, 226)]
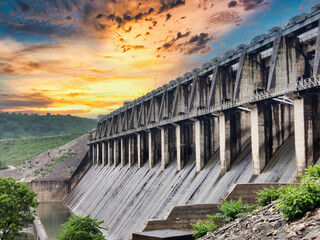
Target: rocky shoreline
[(267, 223)]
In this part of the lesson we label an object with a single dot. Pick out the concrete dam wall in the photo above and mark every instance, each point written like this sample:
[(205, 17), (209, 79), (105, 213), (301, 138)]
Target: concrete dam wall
[(126, 198), (252, 116)]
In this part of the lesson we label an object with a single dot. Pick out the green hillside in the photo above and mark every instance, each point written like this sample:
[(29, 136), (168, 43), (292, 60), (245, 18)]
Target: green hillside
[(15, 152), (17, 125)]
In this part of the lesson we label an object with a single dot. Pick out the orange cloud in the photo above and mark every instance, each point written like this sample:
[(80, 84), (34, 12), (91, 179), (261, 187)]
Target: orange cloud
[(108, 58)]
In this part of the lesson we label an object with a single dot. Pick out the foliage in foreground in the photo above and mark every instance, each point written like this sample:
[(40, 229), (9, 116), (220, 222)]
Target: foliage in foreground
[(16, 201), (295, 200), (300, 198), (81, 228), (232, 210), (268, 195), (202, 228)]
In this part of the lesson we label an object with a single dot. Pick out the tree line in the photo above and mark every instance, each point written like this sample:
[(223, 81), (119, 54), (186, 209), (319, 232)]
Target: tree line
[(18, 125)]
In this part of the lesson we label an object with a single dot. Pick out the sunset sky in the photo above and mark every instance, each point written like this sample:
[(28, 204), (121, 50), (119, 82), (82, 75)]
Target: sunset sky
[(86, 57)]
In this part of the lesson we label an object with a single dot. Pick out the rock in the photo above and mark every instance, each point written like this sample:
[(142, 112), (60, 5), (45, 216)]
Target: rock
[(267, 223)]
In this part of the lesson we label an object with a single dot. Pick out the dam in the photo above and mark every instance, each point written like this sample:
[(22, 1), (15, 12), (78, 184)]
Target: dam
[(252, 116)]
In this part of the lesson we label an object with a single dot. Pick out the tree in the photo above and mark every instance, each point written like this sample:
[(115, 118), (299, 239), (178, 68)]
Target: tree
[(81, 228), (16, 203)]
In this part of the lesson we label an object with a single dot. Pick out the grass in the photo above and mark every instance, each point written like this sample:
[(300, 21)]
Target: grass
[(15, 152), (49, 167)]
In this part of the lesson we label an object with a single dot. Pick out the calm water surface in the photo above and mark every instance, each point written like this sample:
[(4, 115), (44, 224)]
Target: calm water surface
[(52, 215)]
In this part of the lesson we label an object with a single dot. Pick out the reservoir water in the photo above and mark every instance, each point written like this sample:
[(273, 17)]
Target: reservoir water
[(52, 215)]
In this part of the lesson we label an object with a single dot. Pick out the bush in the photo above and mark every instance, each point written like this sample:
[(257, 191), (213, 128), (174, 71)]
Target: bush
[(232, 210), (268, 195), (296, 200), (311, 174), (202, 228), (81, 228)]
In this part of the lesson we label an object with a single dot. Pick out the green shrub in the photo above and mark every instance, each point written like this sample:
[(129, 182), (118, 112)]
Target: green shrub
[(81, 228), (202, 228), (295, 200), (312, 173), (232, 210), (268, 195)]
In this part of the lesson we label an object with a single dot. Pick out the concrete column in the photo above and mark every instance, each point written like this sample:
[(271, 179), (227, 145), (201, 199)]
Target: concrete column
[(109, 153), (179, 146), (164, 147), (151, 148), (300, 135), (116, 152), (224, 133), (104, 154), (258, 139), (98, 154), (139, 151), (93, 153), (131, 151), (122, 153), (199, 144)]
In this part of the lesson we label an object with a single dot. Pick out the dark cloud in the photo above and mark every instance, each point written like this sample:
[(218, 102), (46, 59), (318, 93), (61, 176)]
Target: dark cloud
[(167, 5), (252, 4), (168, 45), (18, 101), (100, 15), (195, 44), (68, 18), (36, 27), (198, 44), (137, 36), (23, 6), (139, 16), (126, 48), (180, 35), (126, 17), (232, 4), (168, 16)]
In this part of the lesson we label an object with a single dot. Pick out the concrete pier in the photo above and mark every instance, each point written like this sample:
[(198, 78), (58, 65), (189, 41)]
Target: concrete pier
[(258, 138), (225, 152), (104, 154), (164, 147), (199, 144)]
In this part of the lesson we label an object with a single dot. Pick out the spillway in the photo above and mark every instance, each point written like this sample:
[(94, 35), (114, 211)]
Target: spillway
[(126, 198)]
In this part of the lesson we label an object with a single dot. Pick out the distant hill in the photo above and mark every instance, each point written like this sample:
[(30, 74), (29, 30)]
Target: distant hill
[(17, 125), (16, 152)]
